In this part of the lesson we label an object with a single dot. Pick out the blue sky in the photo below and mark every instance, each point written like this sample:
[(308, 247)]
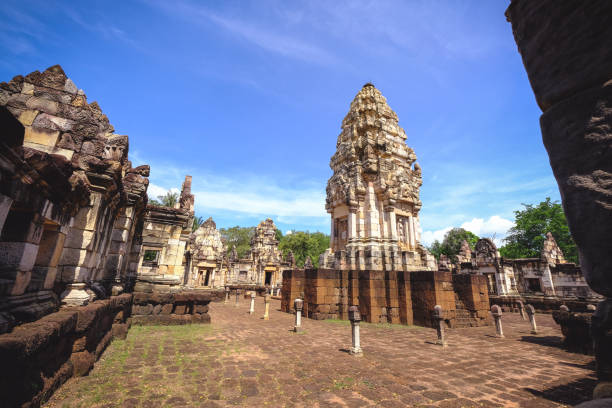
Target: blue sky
[(248, 97)]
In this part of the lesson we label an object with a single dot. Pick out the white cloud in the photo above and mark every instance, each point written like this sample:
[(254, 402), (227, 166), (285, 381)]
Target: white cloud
[(428, 237), (495, 227), (154, 191)]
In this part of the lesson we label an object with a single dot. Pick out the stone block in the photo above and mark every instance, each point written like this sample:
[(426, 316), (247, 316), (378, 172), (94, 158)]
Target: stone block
[(41, 136), (201, 309), (27, 117), (74, 273), (17, 255), (78, 238), (166, 309), (142, 309), (42, 104), (75, 257), (181, 309), (82, 362)]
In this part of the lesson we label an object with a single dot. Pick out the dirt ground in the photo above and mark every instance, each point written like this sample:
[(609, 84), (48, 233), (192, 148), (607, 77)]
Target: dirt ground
[(242, 360)]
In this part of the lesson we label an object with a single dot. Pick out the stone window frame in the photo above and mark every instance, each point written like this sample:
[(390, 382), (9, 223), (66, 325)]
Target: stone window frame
[(153, 262)]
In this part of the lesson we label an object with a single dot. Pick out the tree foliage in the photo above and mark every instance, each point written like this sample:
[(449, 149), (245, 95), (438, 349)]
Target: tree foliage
[(239, 237), (167, 200), (527, 237), (451, 244), (197, 221), (304, 244)]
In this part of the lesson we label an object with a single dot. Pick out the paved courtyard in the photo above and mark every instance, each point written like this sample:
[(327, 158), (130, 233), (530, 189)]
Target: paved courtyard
[(242, 360)]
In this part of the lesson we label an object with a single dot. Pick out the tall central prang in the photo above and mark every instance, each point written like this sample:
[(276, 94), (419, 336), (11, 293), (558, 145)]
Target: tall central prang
[(373, 195)]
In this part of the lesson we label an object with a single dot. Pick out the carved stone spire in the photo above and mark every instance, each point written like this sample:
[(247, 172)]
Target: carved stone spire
[(373, 195)]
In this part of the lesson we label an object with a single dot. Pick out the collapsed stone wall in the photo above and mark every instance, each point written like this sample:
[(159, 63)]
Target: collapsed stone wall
[(542, 304), (38, 357), (173, 308)]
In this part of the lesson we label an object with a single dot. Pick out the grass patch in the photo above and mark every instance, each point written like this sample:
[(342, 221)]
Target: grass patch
[(344, 384)]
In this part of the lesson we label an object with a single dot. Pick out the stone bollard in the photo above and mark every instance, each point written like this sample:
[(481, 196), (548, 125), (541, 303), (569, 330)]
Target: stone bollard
[(252, 309), (298, 304), (266, 315), (237, 297), (497, 315), (227, 293), (521, 307), (355, 318), (438, 317), (531, 314)]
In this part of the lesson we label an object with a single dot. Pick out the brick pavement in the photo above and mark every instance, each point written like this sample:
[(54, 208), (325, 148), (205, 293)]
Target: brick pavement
[(242, 360)]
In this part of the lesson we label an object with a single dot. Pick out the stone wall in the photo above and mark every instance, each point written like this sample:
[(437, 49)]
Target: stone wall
[(542, 304), (430, 289), (183, 307), (39, 357), (387, 296), (293, 287), (472, 300)]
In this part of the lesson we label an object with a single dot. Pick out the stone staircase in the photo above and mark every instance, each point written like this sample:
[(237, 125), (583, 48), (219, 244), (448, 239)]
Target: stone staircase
[(463, 317)]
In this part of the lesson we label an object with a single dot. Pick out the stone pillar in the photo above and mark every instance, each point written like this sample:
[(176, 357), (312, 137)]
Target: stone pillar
[(521, 308), (531, 314), (5, 206), (352, 225), (601, 321), (411, 232), (298, 304), (22, 234), (332, 238), (497, 315), (565, 51), (227, 293), (252, 309), (372, 222), (438, 317), (355, 318), (266, 315), (49, 251), (393, 224), (237, 297)]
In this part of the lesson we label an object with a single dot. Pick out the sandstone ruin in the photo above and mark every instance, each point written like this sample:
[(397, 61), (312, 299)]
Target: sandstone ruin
[(209, 263), (548, 275), (76, 232), (263, 264), (376, 260)]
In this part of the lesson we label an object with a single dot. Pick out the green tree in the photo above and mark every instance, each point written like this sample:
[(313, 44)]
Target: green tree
[(169, 199), (197, 221), (304, 243), (451, 244), (279, 235), (240, 237), (526, 238)]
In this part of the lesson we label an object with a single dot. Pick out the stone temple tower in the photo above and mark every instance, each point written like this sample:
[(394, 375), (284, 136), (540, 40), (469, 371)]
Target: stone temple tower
[(373, 195)]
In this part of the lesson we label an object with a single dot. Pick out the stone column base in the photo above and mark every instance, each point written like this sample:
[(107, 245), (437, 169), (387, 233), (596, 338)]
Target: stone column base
[(75, 295)]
